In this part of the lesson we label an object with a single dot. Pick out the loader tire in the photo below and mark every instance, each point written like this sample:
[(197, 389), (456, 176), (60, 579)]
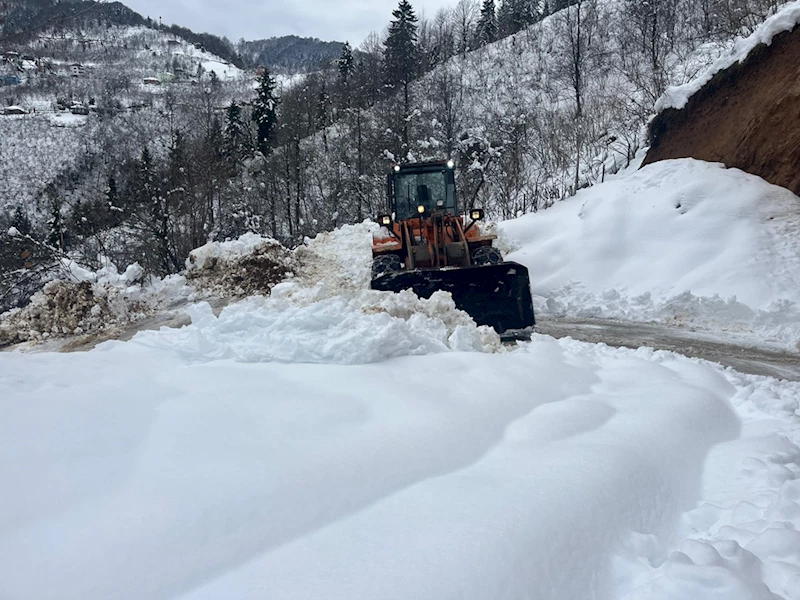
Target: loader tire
[(386, 263), (486, 255)]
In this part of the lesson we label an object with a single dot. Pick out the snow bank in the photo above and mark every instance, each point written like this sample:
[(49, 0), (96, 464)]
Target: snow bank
[(251, 264), (784, 20), (134, 472), (88, 302), (679, 242)]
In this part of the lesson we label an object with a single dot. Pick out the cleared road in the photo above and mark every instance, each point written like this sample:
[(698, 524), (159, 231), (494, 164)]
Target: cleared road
[(747, 359)]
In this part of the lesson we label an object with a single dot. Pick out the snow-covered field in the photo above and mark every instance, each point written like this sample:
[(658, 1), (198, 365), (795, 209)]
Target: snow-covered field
[(165, 468), (333, 442), (681, 242)]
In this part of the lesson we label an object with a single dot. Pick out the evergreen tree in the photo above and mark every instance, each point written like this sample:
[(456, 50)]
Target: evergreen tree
[(55, 224), (486, 31), (265, 112), (345, 64), (401, 57), (515, 15), (235, 143), (345, 67)]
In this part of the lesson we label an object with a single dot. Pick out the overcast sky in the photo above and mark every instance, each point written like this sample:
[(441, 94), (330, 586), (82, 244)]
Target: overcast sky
[(339, 20)]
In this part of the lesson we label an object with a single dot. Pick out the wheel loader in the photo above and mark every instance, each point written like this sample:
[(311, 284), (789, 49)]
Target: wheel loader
[(426, 245)]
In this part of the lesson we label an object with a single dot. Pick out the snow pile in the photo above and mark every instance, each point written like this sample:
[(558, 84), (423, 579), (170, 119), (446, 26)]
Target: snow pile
[(87, 302), (742, 541), (340, 260), (784, 20), (679, 242), (298, 324), (249, 265)]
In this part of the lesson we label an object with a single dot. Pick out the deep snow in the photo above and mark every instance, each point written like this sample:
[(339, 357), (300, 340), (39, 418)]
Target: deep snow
[(556, 470), (680, 242)]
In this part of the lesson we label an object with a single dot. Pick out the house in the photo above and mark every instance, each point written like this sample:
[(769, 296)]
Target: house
[(151, 81), (76, 69), (172, 43), (79, 109), (14, 110), (9, 80)]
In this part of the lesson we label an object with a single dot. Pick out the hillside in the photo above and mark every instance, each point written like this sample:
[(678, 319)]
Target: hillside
[(743, 114), (290, 54)]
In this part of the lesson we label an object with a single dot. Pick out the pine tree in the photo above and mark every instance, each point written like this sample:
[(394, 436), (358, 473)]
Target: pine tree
[(515, 15), (235, 143), (55, 224), (486, 31), (401, 57), (265, 112), (345, 66)]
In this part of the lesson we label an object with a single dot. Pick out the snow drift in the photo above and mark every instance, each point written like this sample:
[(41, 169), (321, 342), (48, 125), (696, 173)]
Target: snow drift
[(467, 475), (680, 241)]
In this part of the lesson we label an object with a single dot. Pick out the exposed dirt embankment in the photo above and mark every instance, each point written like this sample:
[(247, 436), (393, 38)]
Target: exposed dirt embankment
[(747, 116)]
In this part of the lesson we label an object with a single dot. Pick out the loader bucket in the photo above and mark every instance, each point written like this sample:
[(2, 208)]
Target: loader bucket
[(495, 295)]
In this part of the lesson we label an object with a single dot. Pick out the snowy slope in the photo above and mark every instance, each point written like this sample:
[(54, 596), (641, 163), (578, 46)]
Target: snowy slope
[(682, 242)]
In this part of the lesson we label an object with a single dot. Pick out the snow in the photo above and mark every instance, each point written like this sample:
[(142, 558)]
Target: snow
[(681, 242), (785, 19), (292, 325), (13, 232), (205, 255), (741, 541), (459, 474)]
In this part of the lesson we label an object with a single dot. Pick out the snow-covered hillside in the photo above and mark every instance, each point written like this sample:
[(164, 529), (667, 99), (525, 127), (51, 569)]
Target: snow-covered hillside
[(681, 242)]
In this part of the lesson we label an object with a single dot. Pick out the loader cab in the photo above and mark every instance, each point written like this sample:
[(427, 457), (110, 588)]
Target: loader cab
[(428, 185)]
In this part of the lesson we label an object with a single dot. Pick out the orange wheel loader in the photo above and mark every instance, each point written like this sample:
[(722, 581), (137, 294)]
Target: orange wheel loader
[(426, 245)]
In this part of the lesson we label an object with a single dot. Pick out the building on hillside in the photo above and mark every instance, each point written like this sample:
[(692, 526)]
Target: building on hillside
[(9, 80), (76, 69), (151, 81), (173, 43), (14, 110)]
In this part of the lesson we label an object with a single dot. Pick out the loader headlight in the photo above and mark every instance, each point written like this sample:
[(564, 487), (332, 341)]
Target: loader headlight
[(450, 164), (385, 220), (440, 204), (396, 168), (476, 214), (421, 209)]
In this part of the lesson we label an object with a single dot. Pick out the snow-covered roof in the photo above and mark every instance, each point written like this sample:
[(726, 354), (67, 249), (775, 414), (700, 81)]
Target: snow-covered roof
[(784, 20)]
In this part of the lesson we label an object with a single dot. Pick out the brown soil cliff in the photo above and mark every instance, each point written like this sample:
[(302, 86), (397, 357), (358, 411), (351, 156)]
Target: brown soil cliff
[(747, 116)]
